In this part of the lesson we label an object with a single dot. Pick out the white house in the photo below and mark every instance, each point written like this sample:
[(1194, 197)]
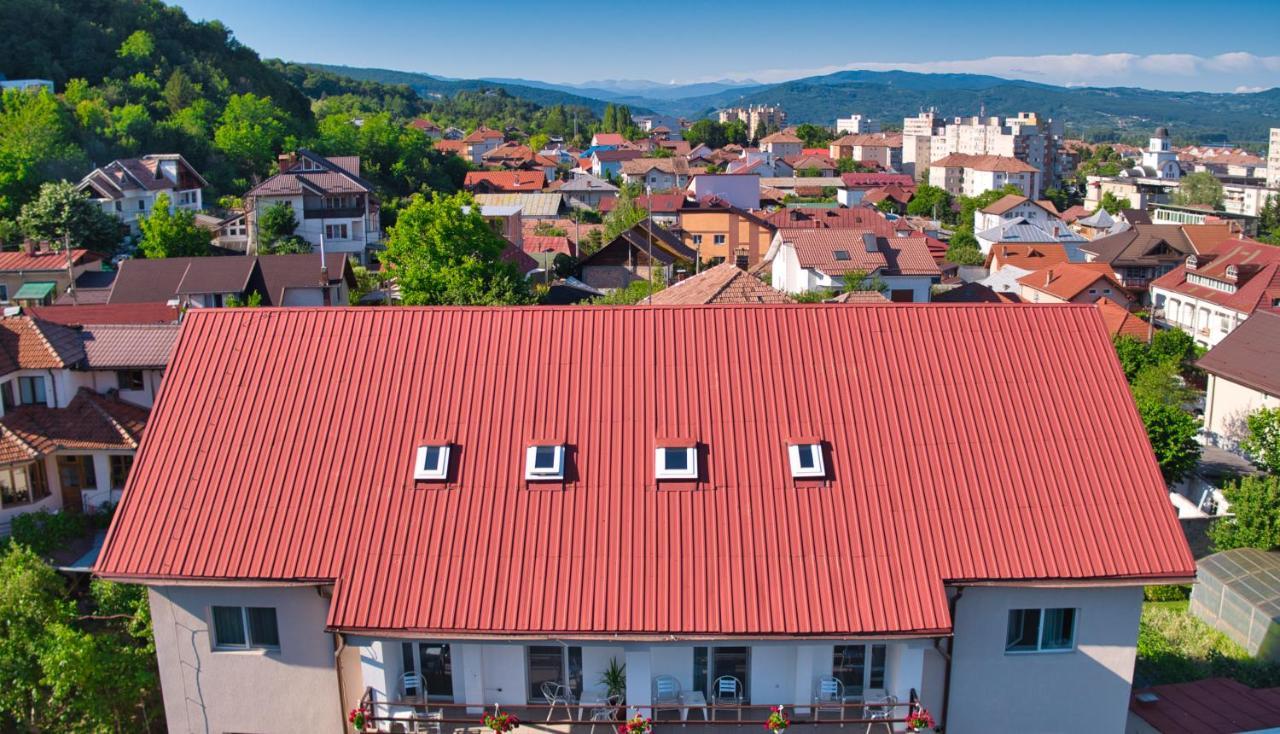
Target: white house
[(742, 191), (963, 174), (1213, 293), (383, 544), (127, 188), (336, 210), (803, 260), (1244, 377), (1011, 207)]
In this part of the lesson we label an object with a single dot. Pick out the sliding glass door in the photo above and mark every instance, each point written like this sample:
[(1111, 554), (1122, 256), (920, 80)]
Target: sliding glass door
[(859, 667), (432, 661), (553, 664), (711, 663)]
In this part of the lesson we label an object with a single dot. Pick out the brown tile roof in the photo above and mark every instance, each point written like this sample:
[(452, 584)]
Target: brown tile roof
[(539, 243), (1120, 322), (1012, 201), (782, 136), (102, 313), (862, 297), (804, 162), (29, 343), (1076, 212), (975, 293), (864, 250), (1068, 280), (1002, 163), (617, 155), (1250, 354), (869, 140), (90, 422), (128, 346), (450, 146), (505, 181), (675, 165), (481, 134), (860, 217), (341, 175), (1139, 244), (724, 283)]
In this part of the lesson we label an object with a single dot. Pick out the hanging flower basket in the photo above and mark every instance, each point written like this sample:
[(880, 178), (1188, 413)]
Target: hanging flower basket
[(919, 719), (357, 718), (636, 725), (777, 721), (500, 721)]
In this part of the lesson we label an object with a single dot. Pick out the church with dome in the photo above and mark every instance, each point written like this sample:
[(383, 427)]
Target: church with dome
[(1159, 160)]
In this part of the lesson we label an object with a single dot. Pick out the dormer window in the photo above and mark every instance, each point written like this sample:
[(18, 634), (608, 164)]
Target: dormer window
[(676, 462), (432, 463), (544, 462), (840, 254), (806, 458)]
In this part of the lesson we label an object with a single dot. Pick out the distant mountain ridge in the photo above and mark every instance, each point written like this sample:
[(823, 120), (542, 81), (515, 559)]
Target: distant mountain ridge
[(889, 96)]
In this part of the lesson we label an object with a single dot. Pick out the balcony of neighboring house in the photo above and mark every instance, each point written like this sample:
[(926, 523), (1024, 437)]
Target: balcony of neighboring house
[(187, 199), (446, 687), (333, 207)]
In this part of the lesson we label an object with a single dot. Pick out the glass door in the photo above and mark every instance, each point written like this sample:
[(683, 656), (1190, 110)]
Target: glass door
[(710, 663), (432, 661)]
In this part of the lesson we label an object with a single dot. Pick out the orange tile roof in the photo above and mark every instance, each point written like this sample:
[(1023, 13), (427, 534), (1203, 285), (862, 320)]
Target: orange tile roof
[(1026, 256), (506, 181), (1120, 322), (725, 283), (1002, 163), (816, 249), (29, 343), (1068, 280), (781, 136), (42, 261), (90, 421), (1012, 201)]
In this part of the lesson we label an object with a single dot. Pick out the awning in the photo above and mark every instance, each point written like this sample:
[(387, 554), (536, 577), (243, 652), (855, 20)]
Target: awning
[(34, 291)]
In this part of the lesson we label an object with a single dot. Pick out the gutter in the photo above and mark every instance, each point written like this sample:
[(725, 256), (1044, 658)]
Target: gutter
[(946, 674)]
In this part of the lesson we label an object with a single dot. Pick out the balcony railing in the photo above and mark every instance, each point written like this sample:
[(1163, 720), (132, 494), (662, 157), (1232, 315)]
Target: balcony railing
[(416, 715), (351, 212)]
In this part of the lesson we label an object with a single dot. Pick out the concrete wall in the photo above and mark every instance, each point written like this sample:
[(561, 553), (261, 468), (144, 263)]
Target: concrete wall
[(294, 688), (1082, 690), (1228, 403)]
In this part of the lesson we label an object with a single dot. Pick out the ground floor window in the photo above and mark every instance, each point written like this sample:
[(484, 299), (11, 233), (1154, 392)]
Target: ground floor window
[(245, 628), (553, 664), (433, 661), (130, 380), (859, 668), (75, 471), (1041, 630), (23, 485), (120, 466), (713, 663)]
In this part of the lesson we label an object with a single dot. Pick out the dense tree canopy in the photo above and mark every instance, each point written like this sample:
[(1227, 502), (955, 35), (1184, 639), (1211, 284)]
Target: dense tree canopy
[(173, 233), (60, 212)]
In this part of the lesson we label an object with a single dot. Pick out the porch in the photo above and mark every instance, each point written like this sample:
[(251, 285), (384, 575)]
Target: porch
[(566, 686)]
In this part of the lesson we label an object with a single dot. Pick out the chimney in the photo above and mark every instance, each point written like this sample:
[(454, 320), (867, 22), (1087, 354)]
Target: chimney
[(287, 160), (29, 247)]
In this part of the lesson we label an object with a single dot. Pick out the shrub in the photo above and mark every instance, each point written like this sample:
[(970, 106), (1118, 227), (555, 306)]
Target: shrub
[(1166, 593), (44, 532)]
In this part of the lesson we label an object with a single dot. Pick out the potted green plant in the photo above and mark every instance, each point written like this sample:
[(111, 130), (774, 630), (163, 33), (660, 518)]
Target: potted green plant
[(614, 680)]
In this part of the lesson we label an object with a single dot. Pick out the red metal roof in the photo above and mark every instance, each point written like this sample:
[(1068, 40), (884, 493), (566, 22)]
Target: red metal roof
[(42, 261), (958, 452), (1212, 706), (102, 313), (1257, 285)]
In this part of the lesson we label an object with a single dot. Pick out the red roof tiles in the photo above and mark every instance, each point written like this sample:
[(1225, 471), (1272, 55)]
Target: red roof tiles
[(1003, 163), (42, 261), (864, 250), (505, 181), (928, 484), (1257, 283)]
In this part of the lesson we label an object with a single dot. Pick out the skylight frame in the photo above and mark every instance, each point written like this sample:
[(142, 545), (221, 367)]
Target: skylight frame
[(819, 468), (661, 471), (535, 473), (437, 473)]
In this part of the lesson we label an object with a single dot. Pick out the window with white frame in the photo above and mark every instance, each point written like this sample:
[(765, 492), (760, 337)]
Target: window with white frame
[(806, 459), (432, 462), (31, 391), (859, 667), (1041, 630), (544, 462), (335, 231), (245, 628), (676, 462)]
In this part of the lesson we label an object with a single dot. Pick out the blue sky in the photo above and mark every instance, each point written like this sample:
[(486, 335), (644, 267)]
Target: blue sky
[(1230, 45)]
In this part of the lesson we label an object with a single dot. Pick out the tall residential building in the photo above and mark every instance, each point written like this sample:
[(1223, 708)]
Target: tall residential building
[(856, 125), (1273, 160), (773, 117), (1027, 137)]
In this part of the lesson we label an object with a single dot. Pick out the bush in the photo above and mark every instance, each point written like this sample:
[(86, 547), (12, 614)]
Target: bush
[(44, 532), (1167, 593), (1176, 647)]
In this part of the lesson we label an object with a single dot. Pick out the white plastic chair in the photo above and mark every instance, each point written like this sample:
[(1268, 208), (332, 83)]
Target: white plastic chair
[(727, 691), (605, 713), (880, 713), (412, 682), (557, 694), (828, 695), (666, 691)]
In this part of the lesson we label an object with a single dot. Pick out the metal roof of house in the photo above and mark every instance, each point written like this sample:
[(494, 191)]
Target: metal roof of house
[(128, 346), (956, 455), (1249, 355), (531, 205)]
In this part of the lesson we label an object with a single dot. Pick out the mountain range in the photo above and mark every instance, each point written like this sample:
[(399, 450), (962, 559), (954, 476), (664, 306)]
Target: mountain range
[(889, 96)]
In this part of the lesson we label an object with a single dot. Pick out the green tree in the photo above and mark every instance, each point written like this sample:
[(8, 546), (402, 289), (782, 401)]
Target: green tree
[(626, 214), (635, 292), (1263, 439), (1254, 521), (250, 131), (1172, 432), (706, 132), (276, 223), (1112, 203), (610, 123), (1269, 221), (930, 201), (1134, 355), (1174, 345), (814, 136), (963, 249), (1199, 189), (36, 146), (138, 46), (174, 233), (61, 212), (761, 132), (443, 252), (1161, 382), (180, 92), (735, 131)]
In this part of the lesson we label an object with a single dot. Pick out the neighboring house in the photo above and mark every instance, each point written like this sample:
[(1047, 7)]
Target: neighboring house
[(926, 540), (480, 141), (1122, 322), (607, 163), (975, 292), (335, 208), (1028, 257), (36, 276), (723, 283), (805, 165), (587, 191), (426, 127), (1244, 377), (718, 230), (233, 233), (854, 186), (803, 260), (1022, 232), (608, 139), (541, 205), (1073, 283), (647, 251), (1013, 207), (962, 174), (879, 149), (1095, 225), (662, 208), (1211, 294), (506, 220), (741, 191), (1144, 252), (857, 217), (502, 182), (211, 282), (127, 358), (657, 174), (127, 188), (782, 144), (110, 314)]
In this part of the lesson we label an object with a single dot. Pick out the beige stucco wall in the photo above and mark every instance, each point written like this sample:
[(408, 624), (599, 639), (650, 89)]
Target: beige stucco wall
[(1084, 690), (1227, 404), (294, 689)]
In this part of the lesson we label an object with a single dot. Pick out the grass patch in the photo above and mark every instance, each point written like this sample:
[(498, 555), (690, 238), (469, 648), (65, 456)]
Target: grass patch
[(1176, 647)]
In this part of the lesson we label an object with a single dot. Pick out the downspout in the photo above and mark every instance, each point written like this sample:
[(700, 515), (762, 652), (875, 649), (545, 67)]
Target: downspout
[(946, 675), (337, 669)]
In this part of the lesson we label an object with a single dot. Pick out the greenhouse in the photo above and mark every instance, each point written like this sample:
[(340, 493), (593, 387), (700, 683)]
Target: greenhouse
[(1238, 592)]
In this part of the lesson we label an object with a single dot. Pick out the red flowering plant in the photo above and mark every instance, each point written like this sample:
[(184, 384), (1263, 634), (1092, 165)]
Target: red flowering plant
[(636, 725), (357, 718), (500, 721), (919, 719), (777, 720)]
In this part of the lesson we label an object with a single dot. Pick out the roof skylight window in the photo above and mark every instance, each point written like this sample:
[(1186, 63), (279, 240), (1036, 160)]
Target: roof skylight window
[(544, 462), (432, 463), (806, 459), (841, 254), (676, 462)]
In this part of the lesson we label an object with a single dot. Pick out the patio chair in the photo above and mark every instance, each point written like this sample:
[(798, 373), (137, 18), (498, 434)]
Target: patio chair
[(727, 691), (828, 695), (606, 714), (880, 713), (666, 691), (412, 682), (557, 694)]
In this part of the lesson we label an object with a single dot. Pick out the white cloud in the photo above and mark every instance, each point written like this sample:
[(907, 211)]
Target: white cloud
[(1162, 71), (1248, 90)]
